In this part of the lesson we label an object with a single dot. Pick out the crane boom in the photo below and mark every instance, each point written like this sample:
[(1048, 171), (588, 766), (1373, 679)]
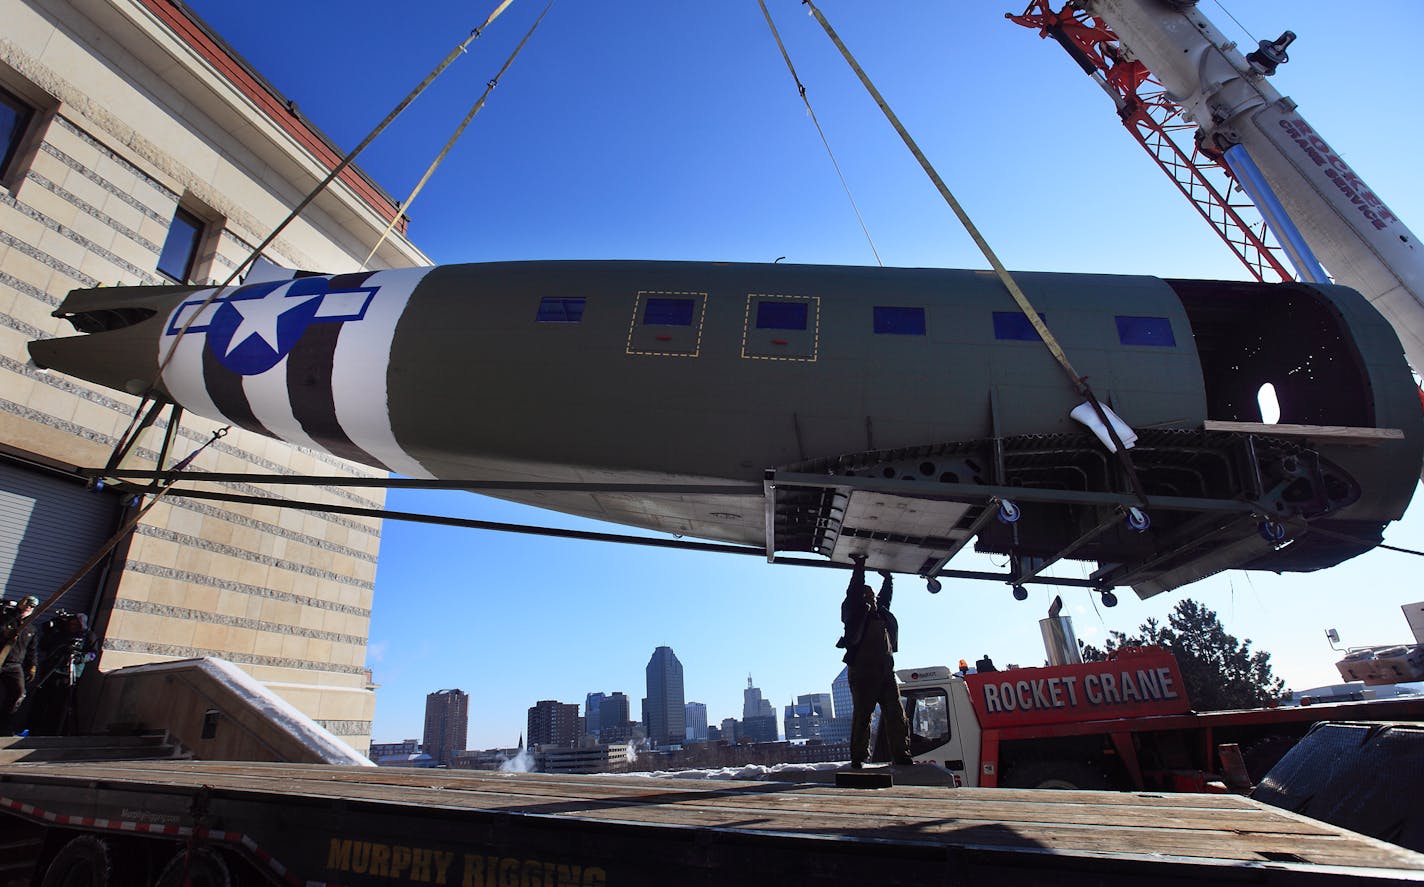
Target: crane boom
[(1361, 243)]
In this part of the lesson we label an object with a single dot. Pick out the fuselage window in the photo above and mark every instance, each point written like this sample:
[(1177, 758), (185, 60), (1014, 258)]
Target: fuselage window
[(891, 321), (553, 309), (1015, 326), (668, 312), (782, 315), (1145, 331)]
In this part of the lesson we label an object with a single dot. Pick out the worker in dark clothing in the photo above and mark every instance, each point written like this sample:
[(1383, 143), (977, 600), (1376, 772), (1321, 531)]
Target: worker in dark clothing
[(872, 635), (985, 665), (17, 638), (66, 645)]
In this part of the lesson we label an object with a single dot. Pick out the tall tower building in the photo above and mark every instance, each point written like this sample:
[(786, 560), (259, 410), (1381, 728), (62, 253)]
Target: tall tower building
[(837, 729), (447, 718), (840, 694), (614, 720), (667, 720), (592, 707), (753, 705), (696, 721), (758, 715)]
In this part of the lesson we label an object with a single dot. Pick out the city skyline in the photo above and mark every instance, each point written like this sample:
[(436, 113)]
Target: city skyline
[(550, 715)]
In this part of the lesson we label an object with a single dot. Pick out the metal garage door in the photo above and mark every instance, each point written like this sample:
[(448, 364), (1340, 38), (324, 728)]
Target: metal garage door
[(49, 526)]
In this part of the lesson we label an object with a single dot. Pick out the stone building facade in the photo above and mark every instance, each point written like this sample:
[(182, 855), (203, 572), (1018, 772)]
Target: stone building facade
[(135, 140)]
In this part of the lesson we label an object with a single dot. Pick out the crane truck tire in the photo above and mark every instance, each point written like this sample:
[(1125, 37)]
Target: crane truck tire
[(195, 868), (83, 862), (1056, 775)]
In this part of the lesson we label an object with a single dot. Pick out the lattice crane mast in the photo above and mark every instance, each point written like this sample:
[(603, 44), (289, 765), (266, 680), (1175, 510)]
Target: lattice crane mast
[(1161, 127)]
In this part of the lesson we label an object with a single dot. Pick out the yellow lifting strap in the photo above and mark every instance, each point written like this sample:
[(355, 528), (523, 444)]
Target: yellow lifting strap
[(1080, 384), (455, 136), (1008, 280), (800, 88)]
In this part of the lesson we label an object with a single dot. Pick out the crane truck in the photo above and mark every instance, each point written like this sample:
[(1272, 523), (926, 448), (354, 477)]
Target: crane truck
[(1122, 723)]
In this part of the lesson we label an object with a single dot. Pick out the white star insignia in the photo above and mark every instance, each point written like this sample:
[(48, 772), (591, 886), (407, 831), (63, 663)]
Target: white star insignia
[(259, 316)]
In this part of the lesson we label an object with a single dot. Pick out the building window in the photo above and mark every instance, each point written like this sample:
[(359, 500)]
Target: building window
[(1145, 331), (1015, 326), (180, 248), (899, 321), (15, 117), (782, 315), (668, 312), (553, 309)]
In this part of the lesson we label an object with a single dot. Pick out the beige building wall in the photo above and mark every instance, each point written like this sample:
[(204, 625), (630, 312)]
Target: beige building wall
[(139, 114)]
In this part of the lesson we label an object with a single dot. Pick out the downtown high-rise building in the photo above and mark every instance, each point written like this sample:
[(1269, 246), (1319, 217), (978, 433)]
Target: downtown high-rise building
[(615, 723), (447, 718), (553, 723), (666, 717), (592, 714), (807, 717), (837, 728), (696, 721), (758, 716), (753, 705)]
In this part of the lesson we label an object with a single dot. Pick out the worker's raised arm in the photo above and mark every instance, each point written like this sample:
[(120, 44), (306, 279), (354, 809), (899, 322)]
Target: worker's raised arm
[(857, 576), (887, 589)]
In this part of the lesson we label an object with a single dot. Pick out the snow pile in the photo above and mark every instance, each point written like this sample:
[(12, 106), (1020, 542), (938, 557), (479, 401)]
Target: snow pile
[(764, 772)]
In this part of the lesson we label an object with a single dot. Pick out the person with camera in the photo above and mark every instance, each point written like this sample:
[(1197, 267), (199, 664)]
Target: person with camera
[(17, 641), (66, 645)]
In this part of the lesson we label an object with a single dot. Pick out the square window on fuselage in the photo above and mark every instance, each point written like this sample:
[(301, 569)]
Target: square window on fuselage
[(782, 315), (555, 309), (781, 327), (667, 323), (898, 321), (668, 312), (1014, 326), (1145, 331)]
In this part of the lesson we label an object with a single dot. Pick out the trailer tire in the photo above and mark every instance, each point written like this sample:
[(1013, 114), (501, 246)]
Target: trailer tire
[(1068, 775), (83, 862), (204, 867)]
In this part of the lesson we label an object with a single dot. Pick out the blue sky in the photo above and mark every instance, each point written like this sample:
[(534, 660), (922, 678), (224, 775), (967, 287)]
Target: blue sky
[(666, 129)]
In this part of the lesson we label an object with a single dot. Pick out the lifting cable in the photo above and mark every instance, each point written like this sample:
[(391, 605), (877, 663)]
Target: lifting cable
[(459, 130), (158, 490), (125, 440), (1080, 383), (801, 89)]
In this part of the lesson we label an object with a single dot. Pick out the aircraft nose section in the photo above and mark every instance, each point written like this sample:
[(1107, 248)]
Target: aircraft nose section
[(121, 327)]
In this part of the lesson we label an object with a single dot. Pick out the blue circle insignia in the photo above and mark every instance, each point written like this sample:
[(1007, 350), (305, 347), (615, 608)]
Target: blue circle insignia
[(256, 327)]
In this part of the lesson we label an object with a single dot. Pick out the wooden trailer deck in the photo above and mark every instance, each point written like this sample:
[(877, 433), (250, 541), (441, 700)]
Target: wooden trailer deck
[(637, 829)]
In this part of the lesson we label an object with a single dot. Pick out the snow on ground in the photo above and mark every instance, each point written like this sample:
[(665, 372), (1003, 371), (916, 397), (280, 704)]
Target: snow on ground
[(772, 773)]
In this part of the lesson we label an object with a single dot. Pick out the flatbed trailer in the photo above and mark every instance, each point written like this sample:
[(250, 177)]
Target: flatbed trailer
[(248, 823)]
